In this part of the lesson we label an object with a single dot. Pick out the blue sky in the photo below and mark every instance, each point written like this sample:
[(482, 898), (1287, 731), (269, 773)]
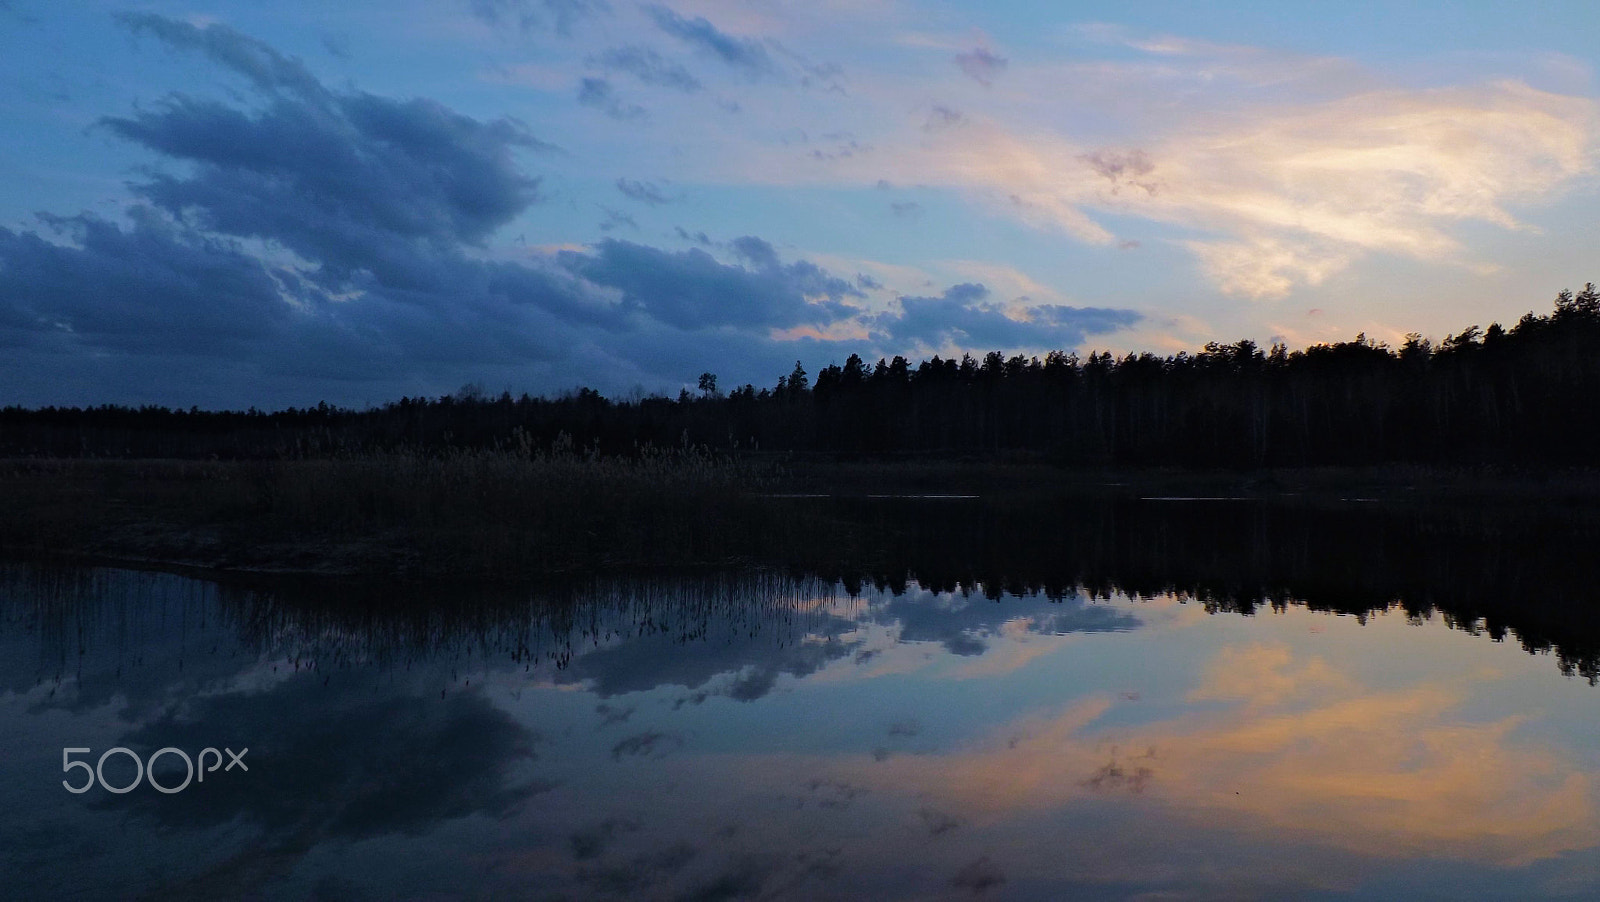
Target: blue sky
[(229, 204)]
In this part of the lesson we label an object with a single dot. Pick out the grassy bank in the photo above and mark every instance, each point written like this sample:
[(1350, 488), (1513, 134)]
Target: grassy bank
[(506, 515), (480, 514)]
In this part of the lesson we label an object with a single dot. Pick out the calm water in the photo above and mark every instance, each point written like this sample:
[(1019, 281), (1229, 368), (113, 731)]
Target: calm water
[(767, 737)]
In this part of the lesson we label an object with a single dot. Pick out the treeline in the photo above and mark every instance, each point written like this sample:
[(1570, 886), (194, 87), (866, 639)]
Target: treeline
[(1524, 395)]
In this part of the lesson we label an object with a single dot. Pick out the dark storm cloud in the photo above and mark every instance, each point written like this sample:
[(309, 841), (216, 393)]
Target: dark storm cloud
[(962, 316), (150, 289), (981, 65), (154, 289), (527, 15), (692, 290), (649, 67), (599, 94), (330, 175), (378, 198), (331, 180), (755, 251), (741, 53), (378, 201)]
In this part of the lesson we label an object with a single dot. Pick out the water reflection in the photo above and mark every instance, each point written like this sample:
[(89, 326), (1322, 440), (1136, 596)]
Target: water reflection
[(768, 735)]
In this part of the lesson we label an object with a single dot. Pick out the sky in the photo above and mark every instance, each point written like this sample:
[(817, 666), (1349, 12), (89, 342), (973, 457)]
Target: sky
[(230, 204)]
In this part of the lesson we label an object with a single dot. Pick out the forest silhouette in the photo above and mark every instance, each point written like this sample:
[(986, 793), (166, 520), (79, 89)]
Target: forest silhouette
[(1496, 396)]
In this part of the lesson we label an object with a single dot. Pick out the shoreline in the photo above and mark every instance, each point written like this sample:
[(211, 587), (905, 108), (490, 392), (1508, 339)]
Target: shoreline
[(491, 520)]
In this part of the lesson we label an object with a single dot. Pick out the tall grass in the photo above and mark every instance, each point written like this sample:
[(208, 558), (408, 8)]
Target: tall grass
[(520, 509), (505, 512)]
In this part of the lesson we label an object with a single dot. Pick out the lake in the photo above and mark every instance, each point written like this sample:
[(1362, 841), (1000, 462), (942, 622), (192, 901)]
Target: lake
[(1191, 709)]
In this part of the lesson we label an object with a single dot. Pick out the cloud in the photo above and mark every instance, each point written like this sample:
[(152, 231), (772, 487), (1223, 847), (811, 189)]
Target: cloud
[(1266, 267), (1284, 195), (981, 65), (301, 170), (598, 93), (968, 625), (644, 192), (459, 759), (1388, 170), (527, 15), (722, 665), (1116, 166), (1251, 67), (649, 67), (1389, 773), (339, 235), (298, 241), (756, 251), (841, 146), (962, 317), (151, 289), (1267, 674), (314, 162), (338, 46), (941, 117), (826, 76), (692, 290), (909, 209), (700, 238), (616, 218), (744, 54), (1276, 171), (265, 67)]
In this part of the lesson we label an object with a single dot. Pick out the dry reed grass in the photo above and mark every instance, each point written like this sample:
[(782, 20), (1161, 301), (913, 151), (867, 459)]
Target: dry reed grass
[(508, 512)]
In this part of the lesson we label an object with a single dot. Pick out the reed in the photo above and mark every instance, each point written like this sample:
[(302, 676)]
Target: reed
[(506, 512)]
